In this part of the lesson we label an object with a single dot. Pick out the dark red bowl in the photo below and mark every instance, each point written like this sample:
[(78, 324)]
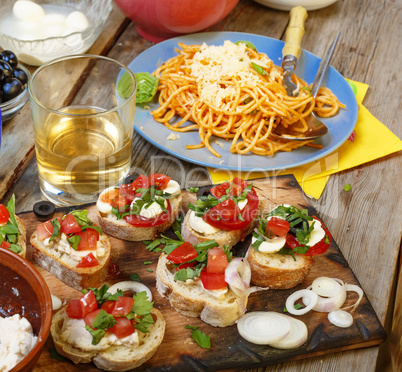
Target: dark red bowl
[(33, 300), (158, 20)]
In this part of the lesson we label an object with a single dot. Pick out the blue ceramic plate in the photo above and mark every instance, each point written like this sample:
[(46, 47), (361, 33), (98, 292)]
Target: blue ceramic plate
[(340, 126)]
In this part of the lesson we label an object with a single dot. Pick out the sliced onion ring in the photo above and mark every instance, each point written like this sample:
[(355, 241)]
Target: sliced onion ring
[(358, 290), (340, 318), (328, 304), (326, 287), (309, 297), (238, 276), (263, 327), (297, 336), (130, 286)]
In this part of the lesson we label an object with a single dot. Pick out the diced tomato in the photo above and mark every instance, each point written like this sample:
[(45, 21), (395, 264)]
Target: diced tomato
[(108, 306), (89, 318), (217, 261), (321, 247), (89, 239), (160, 180), (4, 215), (183, 253), (70, 225), (122, 328), (219, 190), (142, 182), (277, 227), (45, 229), (213, 281), (227, 211), (88, 303), (88, 261), (185, 265), (123, 306), (118, 198), (140, 221), (4, 244), (240, 182), (128, 191), (122, 203), (74, 309)]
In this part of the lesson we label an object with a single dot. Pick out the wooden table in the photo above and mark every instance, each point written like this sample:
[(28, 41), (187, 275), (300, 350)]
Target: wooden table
[(366, 224)]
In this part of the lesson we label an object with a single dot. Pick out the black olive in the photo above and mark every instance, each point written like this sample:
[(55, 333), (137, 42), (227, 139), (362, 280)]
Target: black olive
[(44, 210), (204, 191), (12, 87), (9, 57), (6, 68), (21, 75), (130, 178)]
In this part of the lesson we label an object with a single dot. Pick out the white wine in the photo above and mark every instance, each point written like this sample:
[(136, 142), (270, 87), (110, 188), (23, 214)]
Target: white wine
[(81, 154)]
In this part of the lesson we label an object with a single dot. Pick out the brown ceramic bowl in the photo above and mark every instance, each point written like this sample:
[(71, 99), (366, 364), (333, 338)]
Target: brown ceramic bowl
[(25, 292)]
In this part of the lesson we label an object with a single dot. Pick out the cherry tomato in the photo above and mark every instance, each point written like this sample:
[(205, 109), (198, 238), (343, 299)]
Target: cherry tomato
[(88, 302), (141, 182), (292, 242), (70, 225), (5, 244), (213, 281), (277, 227), (217, 261), (160, 180), (219, 190), (45, 229), (89, 318), (89, 239), (123, 306), (321, 247), (127, 190), (88, 261), (140, 221), (4, 215), (74, 309), (183, 253), (122, 328), (108, 306)]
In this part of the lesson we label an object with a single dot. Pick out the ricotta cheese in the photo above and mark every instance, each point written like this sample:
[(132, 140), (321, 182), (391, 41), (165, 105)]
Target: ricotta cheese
[(16, 341)]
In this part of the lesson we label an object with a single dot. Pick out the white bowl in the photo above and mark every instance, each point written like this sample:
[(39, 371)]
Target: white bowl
[(37, 52), (289, 4)]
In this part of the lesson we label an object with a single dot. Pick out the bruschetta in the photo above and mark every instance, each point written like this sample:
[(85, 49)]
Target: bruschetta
[(12, 229), (284, 245), (73, 249), (204, 281), (227, 215), (140, 210), (115, 332)]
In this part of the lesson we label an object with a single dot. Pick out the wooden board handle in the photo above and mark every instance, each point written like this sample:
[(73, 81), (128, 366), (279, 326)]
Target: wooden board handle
[(295, 32)]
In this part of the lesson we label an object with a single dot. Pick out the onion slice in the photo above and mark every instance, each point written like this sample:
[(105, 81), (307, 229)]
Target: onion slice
[(328, 304), (130, 286), (358, 290), (297, 336), (309, 297), (56, 302), (340, 318), (326, 287), (238, 276), (263, 327)]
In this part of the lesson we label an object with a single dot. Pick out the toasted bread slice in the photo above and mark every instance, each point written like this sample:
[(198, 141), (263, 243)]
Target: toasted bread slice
[(194, 301), (222, 237), (123, 230), (113, 358), (278, 271), (62, 266), (23, 237)]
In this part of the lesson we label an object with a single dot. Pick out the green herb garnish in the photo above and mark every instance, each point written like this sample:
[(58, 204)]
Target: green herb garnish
[(259, 69), (200, 337), (347, 187), (248, 44), (193, 189)]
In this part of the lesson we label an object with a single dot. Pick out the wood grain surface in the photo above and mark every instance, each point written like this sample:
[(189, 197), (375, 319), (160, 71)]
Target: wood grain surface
[(228, 350), (364, 221)]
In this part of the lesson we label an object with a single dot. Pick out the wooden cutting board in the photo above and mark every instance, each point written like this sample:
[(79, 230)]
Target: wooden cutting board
[(178, 352)]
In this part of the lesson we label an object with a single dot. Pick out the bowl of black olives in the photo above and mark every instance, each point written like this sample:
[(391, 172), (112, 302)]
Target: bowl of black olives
[(13, 85)]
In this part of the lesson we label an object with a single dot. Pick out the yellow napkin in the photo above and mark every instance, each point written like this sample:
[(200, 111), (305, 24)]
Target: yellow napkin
[(372, 140)]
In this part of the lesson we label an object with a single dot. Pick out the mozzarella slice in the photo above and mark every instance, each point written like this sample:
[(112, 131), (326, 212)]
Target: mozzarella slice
[(102, 206), (172, 187), (199, 225), (241, 204), (270, 245), (317, 234), (152, 211)]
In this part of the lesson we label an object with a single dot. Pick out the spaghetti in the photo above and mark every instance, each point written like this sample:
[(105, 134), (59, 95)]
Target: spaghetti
[(235, 93)]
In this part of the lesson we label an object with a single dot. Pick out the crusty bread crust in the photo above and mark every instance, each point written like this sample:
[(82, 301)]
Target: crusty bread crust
[(123, 230), (114, 358), (222, 237), (278, 271), (23, 237), (193, 301), (77, 278)]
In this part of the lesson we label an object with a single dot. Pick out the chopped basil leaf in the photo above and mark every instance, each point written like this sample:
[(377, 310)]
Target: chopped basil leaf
[(326, 240), (208, 244), (177, 224), (103, 320), (193, 189), (200, 337), (15, 248), (248, 44), (97, 334), (56, 229), (135, 277), (143, 324), (74, 241), (97, 228), (259, 69), (102, 295), (258, 242), (147, 262), (150, 270)]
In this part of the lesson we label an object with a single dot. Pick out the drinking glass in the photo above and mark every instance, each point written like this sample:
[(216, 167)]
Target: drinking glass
[(83, 116)]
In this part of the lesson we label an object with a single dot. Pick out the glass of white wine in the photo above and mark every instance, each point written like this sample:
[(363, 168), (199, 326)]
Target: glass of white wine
[(83, 110)]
